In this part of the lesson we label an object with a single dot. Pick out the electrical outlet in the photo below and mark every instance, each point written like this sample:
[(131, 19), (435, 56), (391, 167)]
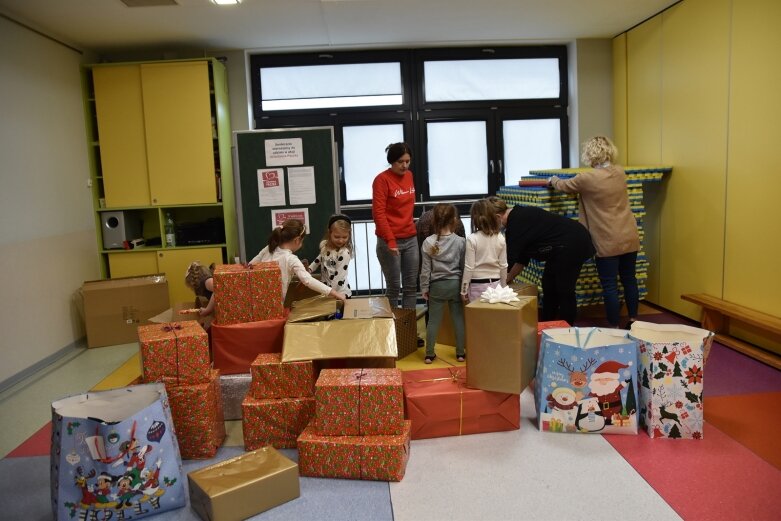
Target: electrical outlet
[(89, 183)]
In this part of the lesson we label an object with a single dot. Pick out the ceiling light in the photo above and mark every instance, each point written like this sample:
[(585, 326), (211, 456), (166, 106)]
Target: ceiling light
[(226, 2)]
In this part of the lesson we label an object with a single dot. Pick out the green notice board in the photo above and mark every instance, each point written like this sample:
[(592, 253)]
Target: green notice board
[(283, 173)]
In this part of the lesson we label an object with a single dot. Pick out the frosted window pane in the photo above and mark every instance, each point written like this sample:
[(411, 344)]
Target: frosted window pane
[(364, 156), (458, 158), (465, 80), (366, 273), (530, 144), (317, 86)]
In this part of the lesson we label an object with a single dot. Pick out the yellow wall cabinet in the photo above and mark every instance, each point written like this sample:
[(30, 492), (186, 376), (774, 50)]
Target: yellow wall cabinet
[(160, 143)]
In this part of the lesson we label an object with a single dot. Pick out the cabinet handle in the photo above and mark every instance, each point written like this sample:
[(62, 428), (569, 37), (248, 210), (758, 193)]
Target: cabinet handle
[(160, 254)]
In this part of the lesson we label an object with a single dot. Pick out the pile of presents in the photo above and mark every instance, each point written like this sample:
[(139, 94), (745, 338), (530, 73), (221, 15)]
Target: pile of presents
[(303, 378)]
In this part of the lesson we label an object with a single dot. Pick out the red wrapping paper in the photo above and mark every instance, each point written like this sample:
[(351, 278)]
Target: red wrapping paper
[(277, 422), (438, 403), (235, 346), (198, 418), (271, 378), (359, 402), (175, 353), (542, 326), (247, 294), (378, 458)]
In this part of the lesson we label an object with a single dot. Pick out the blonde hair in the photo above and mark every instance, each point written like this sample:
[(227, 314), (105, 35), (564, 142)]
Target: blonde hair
[(443, 216), (343, 225), (598, 151), (484, 217)]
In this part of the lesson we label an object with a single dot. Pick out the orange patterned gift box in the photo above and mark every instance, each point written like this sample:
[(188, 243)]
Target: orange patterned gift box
[(247, 294), (174, 353), (272, 378), (379, 458), (359, 402), (276, 422), (198, 418)]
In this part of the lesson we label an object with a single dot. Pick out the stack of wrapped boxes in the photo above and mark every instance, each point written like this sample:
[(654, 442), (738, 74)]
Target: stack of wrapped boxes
[(279, 404), (358, 431), (177, 354)]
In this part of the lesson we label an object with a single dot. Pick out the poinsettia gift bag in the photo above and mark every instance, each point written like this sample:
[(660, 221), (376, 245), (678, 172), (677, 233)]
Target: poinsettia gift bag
[(670, 376)]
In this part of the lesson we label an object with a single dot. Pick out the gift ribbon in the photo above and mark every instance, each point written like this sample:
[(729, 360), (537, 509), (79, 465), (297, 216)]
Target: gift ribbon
[(172, 328), (359, 376), (455, 374), (588, 337)]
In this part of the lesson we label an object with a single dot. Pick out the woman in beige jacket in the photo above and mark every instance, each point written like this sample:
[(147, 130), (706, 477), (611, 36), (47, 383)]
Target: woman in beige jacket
[(605, 212)]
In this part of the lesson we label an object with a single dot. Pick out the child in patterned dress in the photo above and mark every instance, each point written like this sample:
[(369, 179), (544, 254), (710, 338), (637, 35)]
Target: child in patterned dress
[(336, 251)]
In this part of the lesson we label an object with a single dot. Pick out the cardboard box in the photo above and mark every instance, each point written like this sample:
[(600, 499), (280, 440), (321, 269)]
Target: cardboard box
[(367, 307), (296, 291), (234, 347), (114, 308), (368, 338), (241, 487)]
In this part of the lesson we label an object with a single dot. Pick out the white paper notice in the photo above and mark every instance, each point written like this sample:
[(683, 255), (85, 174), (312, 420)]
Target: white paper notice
[(280, 216), (301, 180), (271, 187), (284, 152)]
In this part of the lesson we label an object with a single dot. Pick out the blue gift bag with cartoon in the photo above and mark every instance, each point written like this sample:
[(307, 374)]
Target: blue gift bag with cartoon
[(586, 381), (114, 455)]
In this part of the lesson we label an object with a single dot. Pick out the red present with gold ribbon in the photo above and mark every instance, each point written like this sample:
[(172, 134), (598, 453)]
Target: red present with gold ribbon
[(247, 294), (379, 458), (198, 418), (272, 378), (359, 402), (276, 422), (439, 403), (175, 353)]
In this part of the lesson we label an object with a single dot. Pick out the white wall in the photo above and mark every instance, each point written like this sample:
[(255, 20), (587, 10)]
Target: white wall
[(47, 229)]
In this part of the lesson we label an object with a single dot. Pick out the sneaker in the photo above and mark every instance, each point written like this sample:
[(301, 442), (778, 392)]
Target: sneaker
[(429, 359), (461, 358)]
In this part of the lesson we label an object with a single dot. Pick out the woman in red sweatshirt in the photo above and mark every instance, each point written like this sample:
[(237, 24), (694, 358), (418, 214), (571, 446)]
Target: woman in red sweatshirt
[(393, 203)]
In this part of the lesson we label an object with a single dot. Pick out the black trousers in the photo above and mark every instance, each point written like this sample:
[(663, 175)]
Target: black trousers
[(559, 279)]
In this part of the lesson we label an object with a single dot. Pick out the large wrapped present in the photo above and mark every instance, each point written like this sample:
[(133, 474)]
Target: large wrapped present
[(247, 293), (234, 347), (379, 458), (671, 374), (586, 381), (198, 418), (370, 338), (405, 320), (276, 421), (501, 343), (114, 454), (272, 378), (438, 403), (241, 487), (174, 353), (359, 402), (234, 388)]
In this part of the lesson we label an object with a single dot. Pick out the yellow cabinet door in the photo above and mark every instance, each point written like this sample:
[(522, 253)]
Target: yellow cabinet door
[(179, 144), (131, 264), (121, 135), (174, 264)]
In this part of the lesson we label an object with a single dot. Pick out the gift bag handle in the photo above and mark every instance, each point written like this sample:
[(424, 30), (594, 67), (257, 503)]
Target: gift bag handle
[(588, 337)]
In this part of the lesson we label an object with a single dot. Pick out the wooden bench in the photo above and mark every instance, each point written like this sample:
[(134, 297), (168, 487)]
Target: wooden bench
[(716, 314)]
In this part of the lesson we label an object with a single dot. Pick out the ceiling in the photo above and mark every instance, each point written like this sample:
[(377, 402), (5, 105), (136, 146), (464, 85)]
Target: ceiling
[(110, 26)]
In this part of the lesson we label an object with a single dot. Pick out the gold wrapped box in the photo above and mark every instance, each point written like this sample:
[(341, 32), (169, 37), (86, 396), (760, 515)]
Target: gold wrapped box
[(244, 486)]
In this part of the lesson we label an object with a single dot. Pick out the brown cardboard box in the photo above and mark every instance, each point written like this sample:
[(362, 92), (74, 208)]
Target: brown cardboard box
[(181, 312), (241, 487), (114, 308)]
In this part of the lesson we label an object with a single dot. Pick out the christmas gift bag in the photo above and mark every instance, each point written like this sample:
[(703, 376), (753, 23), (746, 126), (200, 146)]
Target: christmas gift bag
[(670, 375), (114, 455), (586, 381)]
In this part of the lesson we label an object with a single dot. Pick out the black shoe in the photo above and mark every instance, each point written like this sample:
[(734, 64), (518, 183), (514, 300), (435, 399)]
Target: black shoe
[(629, 324), (461, 358), (430, 359), (421, 342)]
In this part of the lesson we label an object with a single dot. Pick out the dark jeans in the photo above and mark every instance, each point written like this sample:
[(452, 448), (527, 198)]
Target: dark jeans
[(559, 279), (611, 269)]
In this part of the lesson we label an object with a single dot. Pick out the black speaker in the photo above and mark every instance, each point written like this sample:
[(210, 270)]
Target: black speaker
[(118, 227)]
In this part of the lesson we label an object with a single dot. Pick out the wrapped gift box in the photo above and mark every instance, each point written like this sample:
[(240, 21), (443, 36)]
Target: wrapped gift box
[(501, 344), (234, 347), (198, 418), (174, 353), (405, 320), (247, 294), (369, 338), (272, 378), (359, 402), (276, 422), (438, 403), (234, 388), (241, 487), (379, 458)]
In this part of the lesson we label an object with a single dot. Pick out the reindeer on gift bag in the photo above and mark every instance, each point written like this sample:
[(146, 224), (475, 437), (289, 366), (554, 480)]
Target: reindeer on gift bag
[(578, 379)]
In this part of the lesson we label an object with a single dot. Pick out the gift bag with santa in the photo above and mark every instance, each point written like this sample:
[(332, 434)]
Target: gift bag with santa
[(586, 381), (670, 378)]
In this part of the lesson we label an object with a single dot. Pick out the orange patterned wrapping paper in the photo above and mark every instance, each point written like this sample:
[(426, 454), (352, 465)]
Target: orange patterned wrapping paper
[(379, 458), (359, 402), (198, 418), (277, 422), (247, 294), (439, 403), (174, 353), (272, 378)]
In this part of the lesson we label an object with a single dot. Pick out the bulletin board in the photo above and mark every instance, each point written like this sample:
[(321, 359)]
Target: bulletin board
[(283, 173)]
